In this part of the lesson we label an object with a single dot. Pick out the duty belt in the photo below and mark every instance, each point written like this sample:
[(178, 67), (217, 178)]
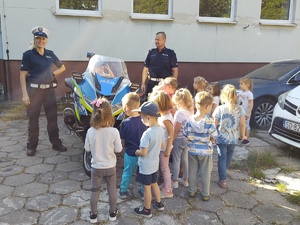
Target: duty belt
[(155, 79), (43, 86)]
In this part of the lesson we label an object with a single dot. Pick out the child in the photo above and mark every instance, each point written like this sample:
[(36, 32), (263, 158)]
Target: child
[(164, 103), (184, 102), (103, 140), (199, 130), (200, 84), (151, 142), (246, 101), (169, 85), (215, 92), (228, 118), (131, 131)]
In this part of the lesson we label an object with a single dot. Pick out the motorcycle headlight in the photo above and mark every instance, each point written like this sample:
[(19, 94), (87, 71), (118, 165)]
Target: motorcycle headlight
[(281, 99)]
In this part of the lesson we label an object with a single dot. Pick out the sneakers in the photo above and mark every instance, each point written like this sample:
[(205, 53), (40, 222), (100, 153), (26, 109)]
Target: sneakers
[(141, 211), (59, 148), (222, 184), (166, 194), (245, 141), (205, 198), (123, 195), (158, 205), (182, 182), (31, 152), (113, 215), (192, 194), (174, 184), (93, 218)]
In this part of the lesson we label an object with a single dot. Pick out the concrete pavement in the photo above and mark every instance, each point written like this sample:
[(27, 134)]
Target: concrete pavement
[(52, 188)]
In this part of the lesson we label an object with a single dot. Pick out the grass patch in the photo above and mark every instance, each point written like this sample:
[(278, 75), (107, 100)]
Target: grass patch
[(294, 198), (281, 188), (259, 161)]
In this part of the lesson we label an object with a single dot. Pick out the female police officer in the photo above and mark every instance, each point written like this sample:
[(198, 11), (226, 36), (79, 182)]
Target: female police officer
[(38, 83)]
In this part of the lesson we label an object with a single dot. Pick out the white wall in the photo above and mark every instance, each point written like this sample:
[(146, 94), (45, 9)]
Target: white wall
[(115, 34)]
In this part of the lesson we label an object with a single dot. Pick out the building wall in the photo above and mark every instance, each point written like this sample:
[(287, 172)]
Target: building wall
[(214, 50)]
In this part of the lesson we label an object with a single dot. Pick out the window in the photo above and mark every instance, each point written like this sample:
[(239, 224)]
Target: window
[(217, 11), (152, 9), (79, 7), (278, 11)]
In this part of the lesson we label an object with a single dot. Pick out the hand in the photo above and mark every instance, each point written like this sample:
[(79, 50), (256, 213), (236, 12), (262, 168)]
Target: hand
[(167, 154), (26, 99), (143, 88)]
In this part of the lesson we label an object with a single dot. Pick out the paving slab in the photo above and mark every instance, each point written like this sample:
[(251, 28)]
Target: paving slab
[(52, 188)]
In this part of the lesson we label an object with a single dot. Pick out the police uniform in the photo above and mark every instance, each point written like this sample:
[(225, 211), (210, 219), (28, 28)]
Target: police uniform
[(40, 88), (160, 65)]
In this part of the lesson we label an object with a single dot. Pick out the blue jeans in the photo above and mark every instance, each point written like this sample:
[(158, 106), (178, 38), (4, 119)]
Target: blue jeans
[(225, 152), (130, 163), (202, 165)]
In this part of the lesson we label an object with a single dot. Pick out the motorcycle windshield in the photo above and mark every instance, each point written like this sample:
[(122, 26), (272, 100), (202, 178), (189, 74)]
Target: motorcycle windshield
[(109, 73)]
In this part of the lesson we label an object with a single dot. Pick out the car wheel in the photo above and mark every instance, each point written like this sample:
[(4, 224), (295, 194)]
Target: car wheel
[(262, 113)]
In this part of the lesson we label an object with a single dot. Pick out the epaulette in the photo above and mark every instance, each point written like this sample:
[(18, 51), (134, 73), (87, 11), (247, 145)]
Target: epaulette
[(151, 49)]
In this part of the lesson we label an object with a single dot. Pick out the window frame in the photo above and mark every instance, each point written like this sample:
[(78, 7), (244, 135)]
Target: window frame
[(153, 16), (74, 12), (289, 22), (232, 19)]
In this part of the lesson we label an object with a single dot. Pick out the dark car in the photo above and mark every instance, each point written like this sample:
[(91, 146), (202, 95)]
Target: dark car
[(269, 82)]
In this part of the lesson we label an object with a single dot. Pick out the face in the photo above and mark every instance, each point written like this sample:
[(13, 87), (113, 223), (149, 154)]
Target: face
[(243, 86), (168, 89), (40, 42), (160, 41)]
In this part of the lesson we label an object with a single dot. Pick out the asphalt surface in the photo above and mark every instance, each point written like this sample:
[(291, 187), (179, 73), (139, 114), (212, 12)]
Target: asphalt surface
[(52, 188)]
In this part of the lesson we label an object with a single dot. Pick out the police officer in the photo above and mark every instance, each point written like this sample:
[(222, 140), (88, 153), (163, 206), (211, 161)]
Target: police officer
[(38, 83), (160, 63)]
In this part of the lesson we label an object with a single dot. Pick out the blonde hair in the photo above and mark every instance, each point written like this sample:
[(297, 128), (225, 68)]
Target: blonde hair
[(248, 82), (162, 100), (200, 82), (183, 97), (131, 100), (171, 81), (102, 115), (228, 95), (203, 98)]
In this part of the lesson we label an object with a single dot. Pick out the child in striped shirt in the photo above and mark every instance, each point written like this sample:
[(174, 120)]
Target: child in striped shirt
[(200, 131)]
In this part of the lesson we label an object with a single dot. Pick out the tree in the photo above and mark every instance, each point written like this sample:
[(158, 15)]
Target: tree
[(79, 4), (151, 6), (215, 8), (275, 9)]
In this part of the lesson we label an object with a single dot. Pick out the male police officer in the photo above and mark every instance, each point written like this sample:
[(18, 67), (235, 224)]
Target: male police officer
[(160, 63)]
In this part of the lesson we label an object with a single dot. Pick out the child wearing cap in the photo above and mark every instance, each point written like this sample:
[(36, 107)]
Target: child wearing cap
[(152, 141)]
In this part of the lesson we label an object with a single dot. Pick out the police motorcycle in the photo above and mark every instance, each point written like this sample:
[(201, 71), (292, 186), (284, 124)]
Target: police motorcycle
[(104, 77)]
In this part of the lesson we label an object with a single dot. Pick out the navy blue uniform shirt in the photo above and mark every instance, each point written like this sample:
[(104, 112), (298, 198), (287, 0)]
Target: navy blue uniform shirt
[(39, 66), (160, 64)]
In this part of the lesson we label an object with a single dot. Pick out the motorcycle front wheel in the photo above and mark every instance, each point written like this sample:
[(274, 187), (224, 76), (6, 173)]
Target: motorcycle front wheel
[(87, 157)]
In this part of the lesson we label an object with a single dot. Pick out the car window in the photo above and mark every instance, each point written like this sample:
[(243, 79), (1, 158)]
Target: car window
[(272, 71)]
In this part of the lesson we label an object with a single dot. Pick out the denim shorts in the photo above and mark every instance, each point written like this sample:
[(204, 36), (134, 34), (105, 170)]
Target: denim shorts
[(146, 179)]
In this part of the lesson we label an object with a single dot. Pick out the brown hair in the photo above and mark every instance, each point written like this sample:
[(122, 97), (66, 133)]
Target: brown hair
[(183, 97), (102, 115), (131, 100), (162, 100), (216, 89), (203, 98), (228, 95), (248, 82)]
